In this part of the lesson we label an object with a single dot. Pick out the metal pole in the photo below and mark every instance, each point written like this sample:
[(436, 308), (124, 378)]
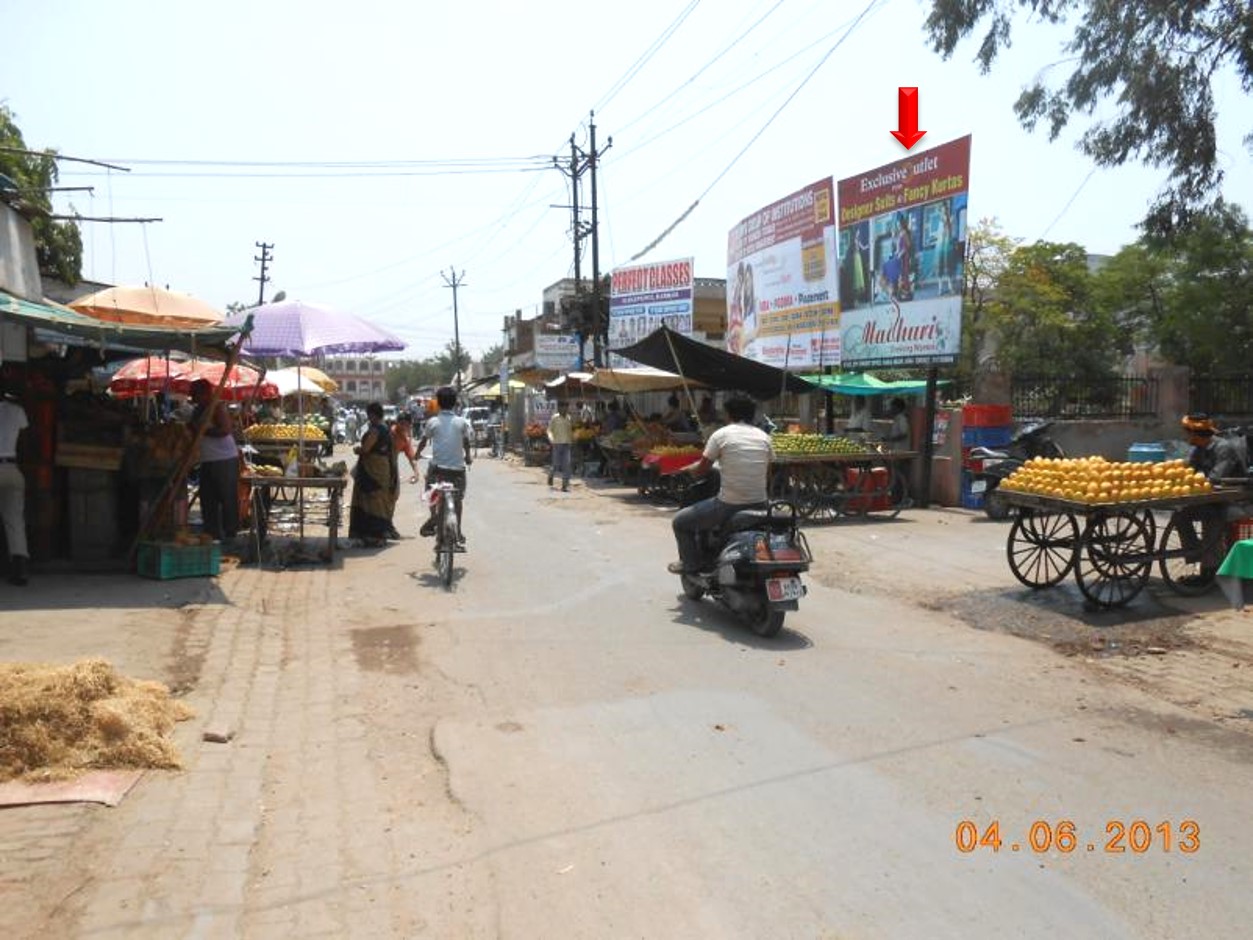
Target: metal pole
[(454, 282)]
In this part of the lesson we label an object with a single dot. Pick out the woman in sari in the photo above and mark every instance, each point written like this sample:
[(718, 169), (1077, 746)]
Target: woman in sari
[(376, 482)]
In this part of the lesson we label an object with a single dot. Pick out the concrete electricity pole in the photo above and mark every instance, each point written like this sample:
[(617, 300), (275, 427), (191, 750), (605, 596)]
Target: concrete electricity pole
[(454, 281), (265, 259)]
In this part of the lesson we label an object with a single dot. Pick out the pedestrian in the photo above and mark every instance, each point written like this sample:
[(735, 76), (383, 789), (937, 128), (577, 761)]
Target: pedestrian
[(402, 446), (13, 487), (614, 419), (898, 434), (675, 418), (219, 463), (375, 483), (561, 437)]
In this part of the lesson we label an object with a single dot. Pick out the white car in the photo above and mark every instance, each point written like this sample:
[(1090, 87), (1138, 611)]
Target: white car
[(479, 417)]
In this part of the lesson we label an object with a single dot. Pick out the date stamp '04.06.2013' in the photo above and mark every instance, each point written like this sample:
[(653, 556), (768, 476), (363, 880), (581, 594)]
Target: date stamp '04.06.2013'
[(1119, 837)]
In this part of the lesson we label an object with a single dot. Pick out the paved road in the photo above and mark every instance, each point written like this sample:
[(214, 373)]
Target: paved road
[(562, 746)]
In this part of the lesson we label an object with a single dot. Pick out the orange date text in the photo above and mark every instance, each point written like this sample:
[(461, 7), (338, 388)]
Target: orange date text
[(1119, 837)]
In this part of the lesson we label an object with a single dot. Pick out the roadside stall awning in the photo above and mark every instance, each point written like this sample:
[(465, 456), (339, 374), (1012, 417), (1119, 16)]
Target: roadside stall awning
[(54, 321), (637, 379), (699, 362), (863, 383)]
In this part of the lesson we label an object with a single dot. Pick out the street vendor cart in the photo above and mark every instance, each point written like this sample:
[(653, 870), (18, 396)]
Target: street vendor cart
[(1112, 547), (828, 485)]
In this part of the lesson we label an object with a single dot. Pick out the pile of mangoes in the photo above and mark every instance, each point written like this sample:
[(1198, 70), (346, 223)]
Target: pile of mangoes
[(285, 432), (789, 445), (1096, 480)]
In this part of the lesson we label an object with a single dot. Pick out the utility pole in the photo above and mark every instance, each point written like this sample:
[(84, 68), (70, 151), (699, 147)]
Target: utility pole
[(582, 161), (454, 282), (265, 259)]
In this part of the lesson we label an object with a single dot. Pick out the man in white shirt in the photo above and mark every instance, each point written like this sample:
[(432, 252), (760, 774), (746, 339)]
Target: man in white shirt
[(451, 438), (743, 454), (13, 488)]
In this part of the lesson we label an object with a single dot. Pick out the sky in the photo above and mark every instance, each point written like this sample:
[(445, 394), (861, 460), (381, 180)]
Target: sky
[(384, 148)]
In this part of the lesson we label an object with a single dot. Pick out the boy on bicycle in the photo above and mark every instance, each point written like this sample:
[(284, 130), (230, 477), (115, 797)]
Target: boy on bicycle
[(450, 438)]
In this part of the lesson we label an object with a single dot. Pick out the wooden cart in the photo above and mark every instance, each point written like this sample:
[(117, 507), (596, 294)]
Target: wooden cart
[(1111, 547), (824, 486)]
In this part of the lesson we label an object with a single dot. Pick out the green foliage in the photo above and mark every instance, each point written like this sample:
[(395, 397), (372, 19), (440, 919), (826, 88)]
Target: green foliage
[(988, 250), (492, 358), (1190, 295), (58, 245), (1152, 61), (1046, 318)]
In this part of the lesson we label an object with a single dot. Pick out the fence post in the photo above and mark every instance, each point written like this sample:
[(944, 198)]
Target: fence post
[(1172, 392)]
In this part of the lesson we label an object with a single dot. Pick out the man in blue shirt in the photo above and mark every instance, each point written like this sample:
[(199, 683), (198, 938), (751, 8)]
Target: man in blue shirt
[(450, 438)]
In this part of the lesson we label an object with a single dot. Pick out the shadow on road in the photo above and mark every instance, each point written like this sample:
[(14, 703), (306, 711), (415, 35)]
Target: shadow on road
[(716, 619)]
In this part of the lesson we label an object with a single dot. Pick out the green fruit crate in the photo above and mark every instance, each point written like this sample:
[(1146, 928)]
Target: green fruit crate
[(163, 561)]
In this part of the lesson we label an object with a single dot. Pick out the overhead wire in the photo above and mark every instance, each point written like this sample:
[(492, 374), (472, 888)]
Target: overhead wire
[(645, 56)]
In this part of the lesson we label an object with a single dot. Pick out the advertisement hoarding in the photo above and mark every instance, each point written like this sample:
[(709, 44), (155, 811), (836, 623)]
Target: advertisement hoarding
[(902, 242), (559, 351), (782, 304), (645, 296)]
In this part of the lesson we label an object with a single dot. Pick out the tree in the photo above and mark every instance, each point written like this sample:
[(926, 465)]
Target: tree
[(1046, 319), (1154, 60), (58, 245), (1192, 295), (492, 357), (988, 250), (449, 364)]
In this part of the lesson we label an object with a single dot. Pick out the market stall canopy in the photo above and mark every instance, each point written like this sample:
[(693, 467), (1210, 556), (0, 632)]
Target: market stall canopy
[(242, 382), (146, 376), (493, 390), (637, 379), (863, 383), (147, 306), (569, 379), (297, 328), (297, 379), (665, 349), (56, 323)]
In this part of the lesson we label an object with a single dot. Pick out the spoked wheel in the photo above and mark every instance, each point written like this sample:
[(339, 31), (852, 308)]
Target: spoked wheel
[(898, 492), (1189, 556), (766, 621), (1041, 547), (1113, 561), (445, 544)]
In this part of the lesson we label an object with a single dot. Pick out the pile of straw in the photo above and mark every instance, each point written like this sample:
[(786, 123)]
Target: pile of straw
[(56, 721)]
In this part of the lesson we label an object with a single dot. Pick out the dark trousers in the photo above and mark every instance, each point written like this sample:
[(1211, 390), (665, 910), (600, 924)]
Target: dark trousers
[(219, 497)]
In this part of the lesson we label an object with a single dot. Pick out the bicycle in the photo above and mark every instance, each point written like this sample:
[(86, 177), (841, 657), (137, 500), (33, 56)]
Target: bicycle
[(442, 495)]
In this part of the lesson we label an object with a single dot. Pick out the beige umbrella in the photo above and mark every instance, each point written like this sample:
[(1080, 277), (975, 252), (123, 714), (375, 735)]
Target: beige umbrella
[(147, 306)]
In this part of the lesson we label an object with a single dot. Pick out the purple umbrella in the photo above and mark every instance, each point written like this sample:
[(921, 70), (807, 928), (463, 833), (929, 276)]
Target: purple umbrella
[(294, 328)]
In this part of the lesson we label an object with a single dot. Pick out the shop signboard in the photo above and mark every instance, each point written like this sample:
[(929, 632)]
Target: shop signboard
[(902, 243), (558, 351), (644, 297), (782, 304)]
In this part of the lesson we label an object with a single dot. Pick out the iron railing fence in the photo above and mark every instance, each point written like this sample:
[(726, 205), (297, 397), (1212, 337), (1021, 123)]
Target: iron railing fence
[(1225, 395), (1112, 398)]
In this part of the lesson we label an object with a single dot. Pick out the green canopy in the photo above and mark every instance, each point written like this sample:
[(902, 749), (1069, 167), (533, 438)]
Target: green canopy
[(863, 383)]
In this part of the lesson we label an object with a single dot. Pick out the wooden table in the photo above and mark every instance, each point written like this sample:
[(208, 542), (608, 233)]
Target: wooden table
[(264, 489)]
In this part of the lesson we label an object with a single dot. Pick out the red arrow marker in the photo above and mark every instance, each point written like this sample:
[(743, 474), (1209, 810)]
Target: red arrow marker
[(907, 117)]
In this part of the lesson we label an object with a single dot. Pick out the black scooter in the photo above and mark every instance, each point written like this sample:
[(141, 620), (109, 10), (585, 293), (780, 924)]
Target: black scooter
[(752, 563), (1032, 440)]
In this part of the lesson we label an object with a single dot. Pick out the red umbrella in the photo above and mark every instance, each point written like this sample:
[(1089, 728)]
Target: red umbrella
[(146, 376), (242, 383)]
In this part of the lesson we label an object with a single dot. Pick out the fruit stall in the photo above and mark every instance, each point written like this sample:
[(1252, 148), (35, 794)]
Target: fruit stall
[(274, 440), (536, 450), (1099, 520), (828, 476), (659, 466)]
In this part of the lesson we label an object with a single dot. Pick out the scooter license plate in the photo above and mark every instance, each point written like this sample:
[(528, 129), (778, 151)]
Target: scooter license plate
[(784, 589)]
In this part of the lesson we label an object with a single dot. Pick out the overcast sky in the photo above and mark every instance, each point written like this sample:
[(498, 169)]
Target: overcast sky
[(380, 145)]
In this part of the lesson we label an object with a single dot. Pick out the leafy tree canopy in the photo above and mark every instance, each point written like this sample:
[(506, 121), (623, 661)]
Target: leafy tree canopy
[(1156, 60), (58, 245)]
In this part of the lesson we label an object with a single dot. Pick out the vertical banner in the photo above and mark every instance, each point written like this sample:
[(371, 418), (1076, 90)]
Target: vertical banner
[(782, 303), (644, 297), (902, 244)]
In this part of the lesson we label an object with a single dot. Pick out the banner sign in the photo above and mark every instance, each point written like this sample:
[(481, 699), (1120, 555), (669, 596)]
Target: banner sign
[(782, 303), (644, 297), (559, 351), (902, 244)]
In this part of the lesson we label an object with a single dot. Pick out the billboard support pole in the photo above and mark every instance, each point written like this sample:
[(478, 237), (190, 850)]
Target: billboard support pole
[(928, 442)]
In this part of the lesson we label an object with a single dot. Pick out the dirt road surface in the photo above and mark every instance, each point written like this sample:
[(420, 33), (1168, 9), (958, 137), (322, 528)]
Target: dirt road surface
[(563, 746)]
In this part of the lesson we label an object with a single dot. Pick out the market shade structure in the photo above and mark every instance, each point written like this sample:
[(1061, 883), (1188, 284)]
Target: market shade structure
[(637, 379), (493, 390), (665, 349), (147, 306), (146, 376), (299, 329), (242, 382), (863, 383), (295, 379)]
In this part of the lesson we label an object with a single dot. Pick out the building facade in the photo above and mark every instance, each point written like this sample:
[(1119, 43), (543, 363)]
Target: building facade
[(360, 378)]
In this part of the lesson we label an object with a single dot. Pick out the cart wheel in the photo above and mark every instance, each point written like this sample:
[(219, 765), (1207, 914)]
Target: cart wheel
[(1189, 557), (898, 492), (1041, 547), (1113, 560)]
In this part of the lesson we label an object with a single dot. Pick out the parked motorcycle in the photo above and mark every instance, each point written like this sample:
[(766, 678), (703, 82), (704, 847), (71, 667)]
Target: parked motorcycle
[(1032, 440), (753, 562)]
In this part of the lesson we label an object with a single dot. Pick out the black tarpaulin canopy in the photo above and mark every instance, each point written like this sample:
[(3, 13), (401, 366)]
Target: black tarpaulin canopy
[(665, 349)]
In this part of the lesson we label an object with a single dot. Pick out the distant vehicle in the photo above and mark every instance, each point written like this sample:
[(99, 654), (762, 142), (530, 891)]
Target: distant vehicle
[(390, 413), (479, 417)]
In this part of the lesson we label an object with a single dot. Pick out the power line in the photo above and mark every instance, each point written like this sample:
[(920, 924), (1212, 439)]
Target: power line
[(1069, 203), (645, 56)]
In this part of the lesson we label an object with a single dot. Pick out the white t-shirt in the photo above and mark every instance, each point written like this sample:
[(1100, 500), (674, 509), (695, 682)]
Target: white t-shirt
[(12, 421), (742, 453), (447, 433)]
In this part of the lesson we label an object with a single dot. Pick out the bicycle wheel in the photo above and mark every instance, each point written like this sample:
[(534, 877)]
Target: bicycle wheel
[(445, 543)]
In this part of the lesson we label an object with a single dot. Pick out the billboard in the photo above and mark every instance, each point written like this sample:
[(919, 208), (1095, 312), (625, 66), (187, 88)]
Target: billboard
[(782, 303), (902, 245), (558, 351), (645, 296)]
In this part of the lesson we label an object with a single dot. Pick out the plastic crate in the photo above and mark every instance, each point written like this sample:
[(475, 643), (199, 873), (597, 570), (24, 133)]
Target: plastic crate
[(972, 491), (986, 416), (1241, 529), (164, 561), (987, 436)]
